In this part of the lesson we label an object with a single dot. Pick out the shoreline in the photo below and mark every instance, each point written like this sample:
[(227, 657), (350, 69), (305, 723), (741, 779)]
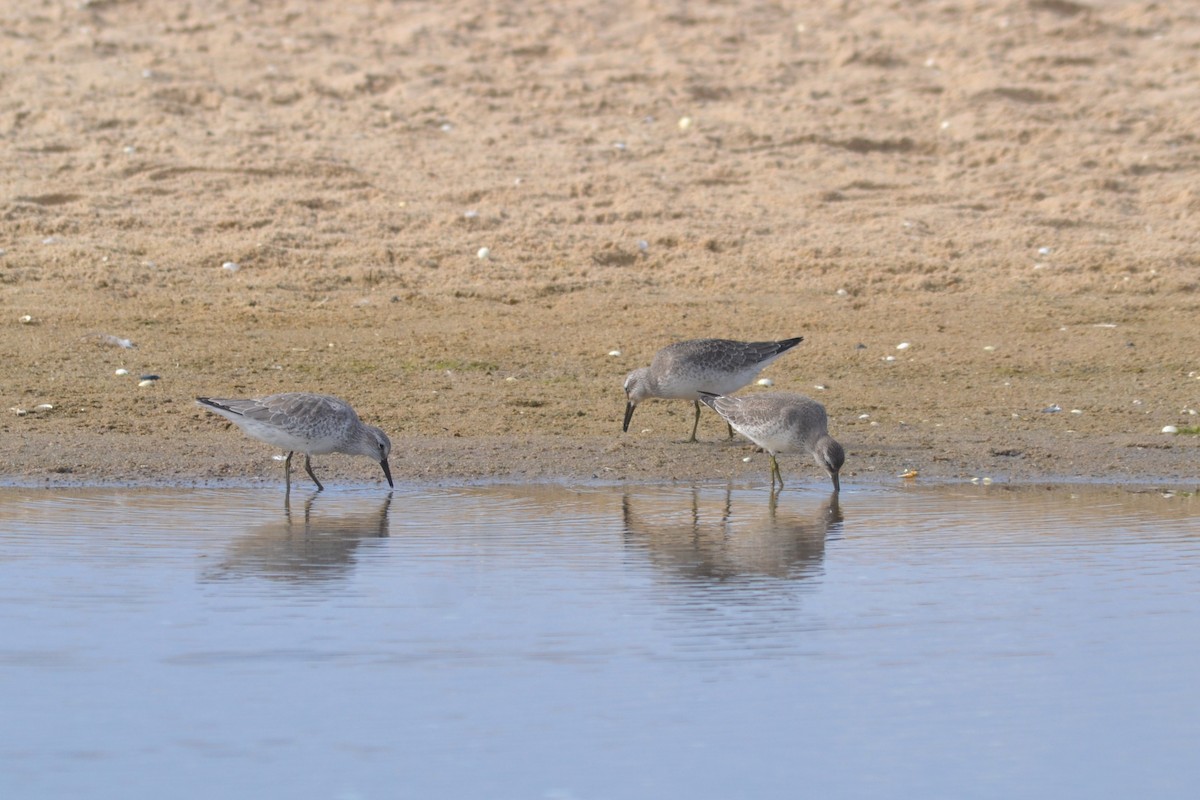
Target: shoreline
[(596, 462)]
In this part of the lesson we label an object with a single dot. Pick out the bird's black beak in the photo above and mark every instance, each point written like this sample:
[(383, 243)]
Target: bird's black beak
[(629, 407), (837, 485), (387, 471)]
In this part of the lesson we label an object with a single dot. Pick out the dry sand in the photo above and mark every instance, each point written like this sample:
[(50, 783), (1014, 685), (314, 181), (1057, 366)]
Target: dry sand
[(1013, 188)]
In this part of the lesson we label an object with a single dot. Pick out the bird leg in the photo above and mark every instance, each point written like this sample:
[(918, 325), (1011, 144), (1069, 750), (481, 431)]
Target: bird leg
[(696, 423), (775, 473), (311, 474), (287, 473)]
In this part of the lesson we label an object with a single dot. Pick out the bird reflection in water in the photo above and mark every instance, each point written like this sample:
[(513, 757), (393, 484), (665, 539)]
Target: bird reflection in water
[(709, 542), (306, 546)]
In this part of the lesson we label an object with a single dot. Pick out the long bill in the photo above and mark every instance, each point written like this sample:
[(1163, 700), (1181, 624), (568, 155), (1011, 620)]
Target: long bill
[(387, 471), (629, 407)]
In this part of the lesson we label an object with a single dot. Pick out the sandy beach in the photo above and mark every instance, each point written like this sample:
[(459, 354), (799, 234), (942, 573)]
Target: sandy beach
[(472, 220)]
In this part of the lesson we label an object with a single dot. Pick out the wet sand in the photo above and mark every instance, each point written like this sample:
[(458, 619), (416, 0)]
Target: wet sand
[(1009, 188)]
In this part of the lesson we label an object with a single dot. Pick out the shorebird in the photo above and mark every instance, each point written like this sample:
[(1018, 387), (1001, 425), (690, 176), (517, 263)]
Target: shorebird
[(313, 424), (782, 422), (683, 370)]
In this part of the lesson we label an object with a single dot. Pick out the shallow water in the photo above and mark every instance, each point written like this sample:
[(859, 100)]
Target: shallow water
[(532, 642)]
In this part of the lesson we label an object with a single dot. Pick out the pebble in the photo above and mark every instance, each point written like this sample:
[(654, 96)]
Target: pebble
[(232, 266), (614, 352), (483, 253), (20, 412), (903, 346), (43, 407), (145, 383), (1170, 429), (765, 382), (121, 371), (1054, 409), (472, 214), (685, 123), (27, 319)]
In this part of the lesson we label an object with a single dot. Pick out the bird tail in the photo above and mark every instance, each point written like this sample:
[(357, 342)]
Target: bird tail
[(219, 404), (788, 344)]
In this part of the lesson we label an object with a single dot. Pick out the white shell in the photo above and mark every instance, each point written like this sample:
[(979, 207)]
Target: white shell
[(1170, 429)]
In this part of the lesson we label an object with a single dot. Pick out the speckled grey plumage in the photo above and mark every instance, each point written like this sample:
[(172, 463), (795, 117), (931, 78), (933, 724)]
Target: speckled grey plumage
[(682, 370), (312, 424), (782, 422)]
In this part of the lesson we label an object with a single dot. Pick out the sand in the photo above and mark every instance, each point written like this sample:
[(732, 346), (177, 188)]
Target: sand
[(278, 196)]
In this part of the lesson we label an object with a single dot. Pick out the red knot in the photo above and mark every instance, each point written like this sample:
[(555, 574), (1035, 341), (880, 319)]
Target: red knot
[(683, 370), (782, 422), (313, 424)]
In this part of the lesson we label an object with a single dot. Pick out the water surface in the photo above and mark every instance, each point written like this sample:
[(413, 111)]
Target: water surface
[(533, 642)]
